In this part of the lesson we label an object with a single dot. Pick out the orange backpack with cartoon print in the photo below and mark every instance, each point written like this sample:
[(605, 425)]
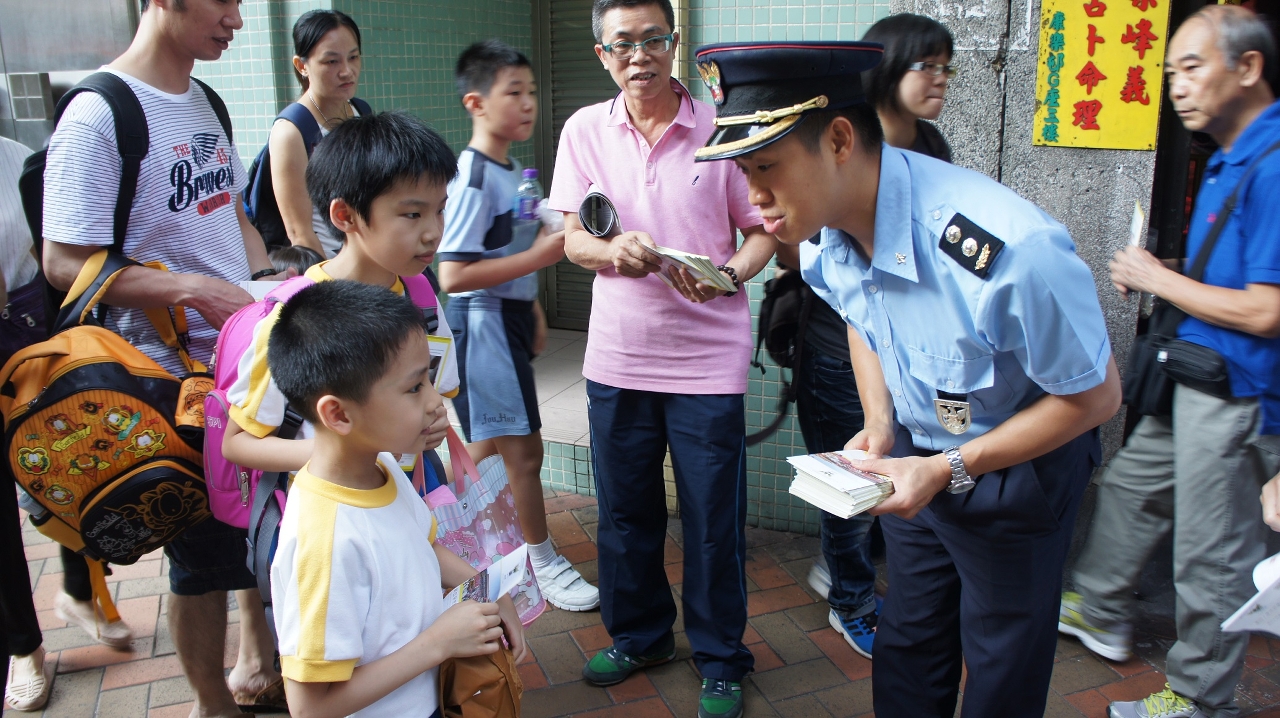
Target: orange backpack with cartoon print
[(100, 436)]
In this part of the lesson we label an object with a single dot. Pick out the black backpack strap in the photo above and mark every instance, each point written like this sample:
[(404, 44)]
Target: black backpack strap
[(790, 393), (132, 140), (219, 108), (361, 106)]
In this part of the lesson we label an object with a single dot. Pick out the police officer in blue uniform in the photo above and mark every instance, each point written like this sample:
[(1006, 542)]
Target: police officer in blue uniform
[(981, 357)]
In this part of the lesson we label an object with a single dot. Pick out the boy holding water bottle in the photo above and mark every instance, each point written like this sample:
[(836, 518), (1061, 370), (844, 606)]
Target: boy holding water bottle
[(494, 244)]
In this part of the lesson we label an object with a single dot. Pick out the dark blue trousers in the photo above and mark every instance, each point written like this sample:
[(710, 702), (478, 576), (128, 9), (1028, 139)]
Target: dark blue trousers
[(630, 434), (829, 412), (978, 577)]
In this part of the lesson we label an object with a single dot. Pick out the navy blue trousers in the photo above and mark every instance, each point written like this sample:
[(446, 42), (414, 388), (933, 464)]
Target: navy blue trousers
[(978, 576), (630, 434)]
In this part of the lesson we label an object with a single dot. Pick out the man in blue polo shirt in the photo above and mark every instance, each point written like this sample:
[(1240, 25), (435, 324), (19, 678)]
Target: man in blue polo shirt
[(1198, 472)]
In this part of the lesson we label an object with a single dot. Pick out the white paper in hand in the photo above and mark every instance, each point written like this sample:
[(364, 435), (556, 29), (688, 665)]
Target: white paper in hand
[(495, 582), (1262, 612)]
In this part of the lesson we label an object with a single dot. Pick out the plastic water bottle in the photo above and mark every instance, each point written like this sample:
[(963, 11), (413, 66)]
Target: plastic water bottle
[(528, 195)]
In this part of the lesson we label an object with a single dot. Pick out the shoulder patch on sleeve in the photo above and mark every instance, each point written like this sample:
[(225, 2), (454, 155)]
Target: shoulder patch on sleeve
[(476, 180), (971, 246)]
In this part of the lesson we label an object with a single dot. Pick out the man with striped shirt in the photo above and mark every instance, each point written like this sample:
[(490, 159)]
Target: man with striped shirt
[(187, 214)]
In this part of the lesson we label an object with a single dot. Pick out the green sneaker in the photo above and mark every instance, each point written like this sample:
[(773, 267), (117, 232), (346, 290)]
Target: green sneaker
[(612, 666), (720, 699), (1111, 643)]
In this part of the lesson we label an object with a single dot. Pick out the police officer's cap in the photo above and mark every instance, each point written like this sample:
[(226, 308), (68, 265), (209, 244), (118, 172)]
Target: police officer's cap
[(763, 90)]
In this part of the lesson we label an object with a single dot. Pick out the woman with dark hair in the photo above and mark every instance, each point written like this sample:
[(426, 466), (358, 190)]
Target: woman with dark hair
[(327, 63), (909, 85)]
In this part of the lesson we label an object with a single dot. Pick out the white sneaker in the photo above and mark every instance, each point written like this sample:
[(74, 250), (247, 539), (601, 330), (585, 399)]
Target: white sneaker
[(88, 616), (565, 588), (28, 688)]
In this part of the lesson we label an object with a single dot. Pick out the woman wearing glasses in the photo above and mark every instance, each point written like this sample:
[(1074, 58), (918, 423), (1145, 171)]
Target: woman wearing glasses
[(909, 84)]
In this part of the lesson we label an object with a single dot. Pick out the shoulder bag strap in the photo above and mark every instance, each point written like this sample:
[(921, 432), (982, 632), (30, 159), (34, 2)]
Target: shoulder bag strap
[(1171, 315), (298, 114)]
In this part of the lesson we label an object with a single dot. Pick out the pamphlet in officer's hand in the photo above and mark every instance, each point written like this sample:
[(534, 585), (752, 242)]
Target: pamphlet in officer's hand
[(831, 482), (700, 266)]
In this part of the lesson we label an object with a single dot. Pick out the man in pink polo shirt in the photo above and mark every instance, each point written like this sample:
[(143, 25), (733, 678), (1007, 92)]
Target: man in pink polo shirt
[(666, 367)]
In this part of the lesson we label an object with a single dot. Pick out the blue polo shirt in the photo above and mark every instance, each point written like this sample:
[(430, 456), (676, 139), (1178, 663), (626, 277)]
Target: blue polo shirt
[(1248, 252)]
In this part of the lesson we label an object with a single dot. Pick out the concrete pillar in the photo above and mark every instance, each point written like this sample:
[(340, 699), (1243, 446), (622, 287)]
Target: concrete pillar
[(988, 121)]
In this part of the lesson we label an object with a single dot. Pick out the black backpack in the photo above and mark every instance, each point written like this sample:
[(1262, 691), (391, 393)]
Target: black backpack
[(783, 323), (260, 196), (132, 140)]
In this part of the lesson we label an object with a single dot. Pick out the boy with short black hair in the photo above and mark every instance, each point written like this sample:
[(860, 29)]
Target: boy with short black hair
[(381, 180), (489, 260), (357, 592)]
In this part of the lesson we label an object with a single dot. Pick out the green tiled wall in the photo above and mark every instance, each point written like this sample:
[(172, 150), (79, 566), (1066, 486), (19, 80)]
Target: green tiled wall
[(410, 48)]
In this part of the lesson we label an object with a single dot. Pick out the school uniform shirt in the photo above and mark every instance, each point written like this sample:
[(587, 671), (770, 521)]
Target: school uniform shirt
[(1032, 325), (643, 335), (257, 405), (355, 579), (480, 221), (184, 213)]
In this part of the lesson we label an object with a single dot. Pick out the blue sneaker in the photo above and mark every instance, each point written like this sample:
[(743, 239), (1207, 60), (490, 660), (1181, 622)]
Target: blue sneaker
[(860, 632)]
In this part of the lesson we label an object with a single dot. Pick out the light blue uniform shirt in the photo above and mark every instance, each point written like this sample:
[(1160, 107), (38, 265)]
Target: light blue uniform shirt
[(480, 222), (1032, 326)]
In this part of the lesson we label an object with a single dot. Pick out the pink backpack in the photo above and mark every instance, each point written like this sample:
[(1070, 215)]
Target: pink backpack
[(232, 487)]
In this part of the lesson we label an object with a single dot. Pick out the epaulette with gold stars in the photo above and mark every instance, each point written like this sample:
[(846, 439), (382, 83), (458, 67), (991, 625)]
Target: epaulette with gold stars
[(973, 247)]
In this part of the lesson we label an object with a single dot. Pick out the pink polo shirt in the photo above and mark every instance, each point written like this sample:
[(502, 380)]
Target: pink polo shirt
[(643, 334)]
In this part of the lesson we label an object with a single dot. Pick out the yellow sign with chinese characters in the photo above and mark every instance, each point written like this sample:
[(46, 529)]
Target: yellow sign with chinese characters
[(1100, 73)]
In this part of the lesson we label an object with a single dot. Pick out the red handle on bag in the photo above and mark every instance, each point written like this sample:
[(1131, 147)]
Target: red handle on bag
[(461, 462)]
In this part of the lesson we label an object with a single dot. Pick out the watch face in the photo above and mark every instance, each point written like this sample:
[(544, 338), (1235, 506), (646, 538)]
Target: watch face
[(959, 487)]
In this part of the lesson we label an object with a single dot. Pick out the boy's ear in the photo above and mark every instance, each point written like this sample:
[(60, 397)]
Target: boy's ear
[(343, 216), (333, 415), (474, 102)]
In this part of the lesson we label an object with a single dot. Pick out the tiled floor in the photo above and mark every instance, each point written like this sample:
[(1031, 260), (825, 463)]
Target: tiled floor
[(802, 667), (562, 392)]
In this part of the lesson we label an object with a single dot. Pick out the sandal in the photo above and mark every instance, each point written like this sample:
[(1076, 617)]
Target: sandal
[(268, 700), (29, 694)]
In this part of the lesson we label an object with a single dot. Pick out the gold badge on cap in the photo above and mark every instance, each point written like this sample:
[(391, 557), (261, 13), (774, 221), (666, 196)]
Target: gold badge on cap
[(710, 73), (953, 415), (953, 234), (970, 247)]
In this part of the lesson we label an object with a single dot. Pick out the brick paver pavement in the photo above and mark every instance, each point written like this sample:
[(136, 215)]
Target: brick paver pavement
[(803, 668)]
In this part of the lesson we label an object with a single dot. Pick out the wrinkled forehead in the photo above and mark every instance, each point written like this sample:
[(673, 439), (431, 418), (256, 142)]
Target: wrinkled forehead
[(634, 21)]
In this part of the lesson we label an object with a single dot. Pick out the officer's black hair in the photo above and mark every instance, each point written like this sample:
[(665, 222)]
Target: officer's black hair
[(179, 5), (365, 156), (600, 7), (338, 337), (863, 117), (311, 28), (907, 38), (478, 66)]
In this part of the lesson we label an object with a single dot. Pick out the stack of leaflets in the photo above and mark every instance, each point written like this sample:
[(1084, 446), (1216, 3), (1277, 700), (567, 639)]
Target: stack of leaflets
[(831, 482), (499, 579), (700, 266)]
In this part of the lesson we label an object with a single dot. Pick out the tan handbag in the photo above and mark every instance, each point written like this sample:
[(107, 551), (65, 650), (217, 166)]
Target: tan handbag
[(481, 686)]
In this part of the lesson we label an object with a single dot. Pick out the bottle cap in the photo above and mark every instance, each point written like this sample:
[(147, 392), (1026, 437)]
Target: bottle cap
[(530, 173)]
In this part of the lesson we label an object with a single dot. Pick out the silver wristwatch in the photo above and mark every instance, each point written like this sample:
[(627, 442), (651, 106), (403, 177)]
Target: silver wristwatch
[(960, 479)]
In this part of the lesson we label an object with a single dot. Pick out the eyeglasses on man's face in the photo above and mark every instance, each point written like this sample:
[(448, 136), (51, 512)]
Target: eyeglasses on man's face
[(656, 45), (933, 69)]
